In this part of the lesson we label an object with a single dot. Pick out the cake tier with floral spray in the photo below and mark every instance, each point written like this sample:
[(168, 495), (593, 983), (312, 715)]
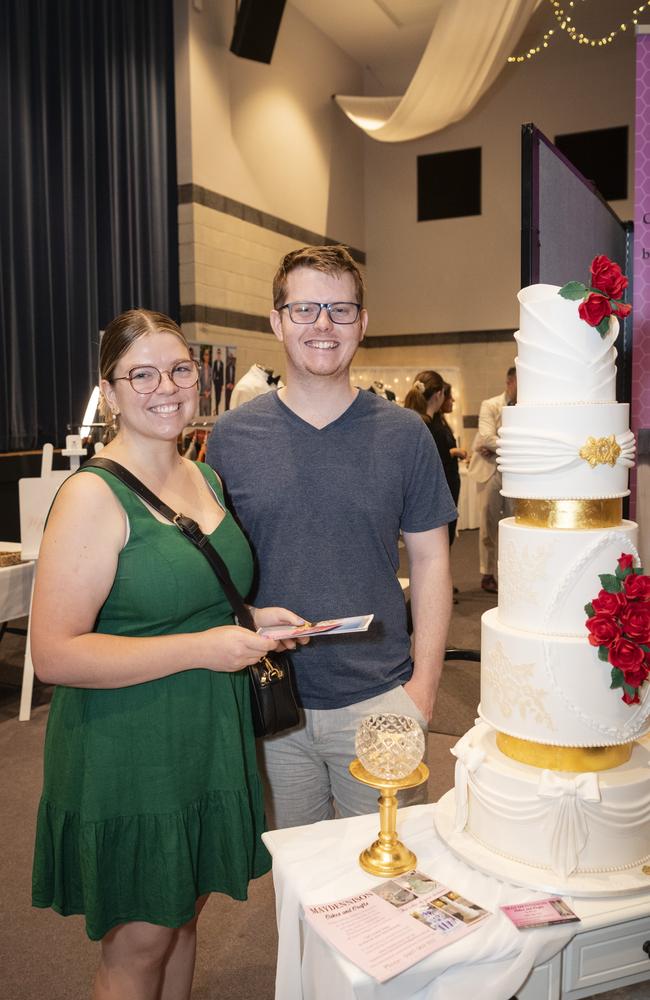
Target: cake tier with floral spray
[(567, 437)]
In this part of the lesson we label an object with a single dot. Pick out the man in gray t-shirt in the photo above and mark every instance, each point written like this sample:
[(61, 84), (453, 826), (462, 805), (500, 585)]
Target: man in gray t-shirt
[(323, 477)]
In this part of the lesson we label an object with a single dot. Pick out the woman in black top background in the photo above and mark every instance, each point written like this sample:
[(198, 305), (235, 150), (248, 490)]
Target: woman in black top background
[(450, 453), (432, 398)]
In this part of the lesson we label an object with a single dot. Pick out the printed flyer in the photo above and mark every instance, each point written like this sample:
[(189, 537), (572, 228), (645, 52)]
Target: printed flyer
[(387, 929), (540, 913)]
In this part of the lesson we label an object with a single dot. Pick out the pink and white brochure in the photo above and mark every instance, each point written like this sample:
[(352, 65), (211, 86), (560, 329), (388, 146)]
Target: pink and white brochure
[(540, 913), (333, 626)]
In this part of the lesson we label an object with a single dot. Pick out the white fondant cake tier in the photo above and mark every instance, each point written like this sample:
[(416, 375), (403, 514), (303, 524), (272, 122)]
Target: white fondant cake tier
[(539, 451), (547, 575), (560, 358), (553, 689), (565, 822)]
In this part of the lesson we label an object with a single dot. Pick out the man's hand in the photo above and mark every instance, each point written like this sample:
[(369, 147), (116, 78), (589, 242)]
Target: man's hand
[(423, 696)]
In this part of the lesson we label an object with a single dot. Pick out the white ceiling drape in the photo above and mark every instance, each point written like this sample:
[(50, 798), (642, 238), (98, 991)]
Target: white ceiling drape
[(469, 45)]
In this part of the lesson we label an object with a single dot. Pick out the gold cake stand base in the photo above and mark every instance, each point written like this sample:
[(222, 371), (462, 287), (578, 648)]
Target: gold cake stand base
[(387, 856)]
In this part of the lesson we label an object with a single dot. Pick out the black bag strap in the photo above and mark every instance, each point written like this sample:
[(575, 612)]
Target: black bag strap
[(188, 527)]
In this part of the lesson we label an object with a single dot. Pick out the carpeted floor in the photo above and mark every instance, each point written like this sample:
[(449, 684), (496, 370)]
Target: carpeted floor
[(45, 956)]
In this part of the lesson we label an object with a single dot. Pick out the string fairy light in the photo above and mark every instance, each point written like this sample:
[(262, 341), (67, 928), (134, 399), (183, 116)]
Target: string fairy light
[(565, 23)]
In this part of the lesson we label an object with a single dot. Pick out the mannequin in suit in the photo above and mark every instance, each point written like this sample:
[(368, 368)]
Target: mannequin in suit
[(230, 377), (217, 379), (483, 469)]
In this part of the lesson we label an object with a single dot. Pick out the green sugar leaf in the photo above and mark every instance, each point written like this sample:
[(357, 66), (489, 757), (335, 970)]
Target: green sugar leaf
[(610, 583), (617, 678), (573, 290), (603, 653), (589, 610)]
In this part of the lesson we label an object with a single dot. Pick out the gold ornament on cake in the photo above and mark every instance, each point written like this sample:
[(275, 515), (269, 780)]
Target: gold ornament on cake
[(389, 757), (600, 451)]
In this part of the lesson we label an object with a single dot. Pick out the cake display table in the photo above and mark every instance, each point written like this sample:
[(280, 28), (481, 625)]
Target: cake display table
[(15, 586), (317, 864)]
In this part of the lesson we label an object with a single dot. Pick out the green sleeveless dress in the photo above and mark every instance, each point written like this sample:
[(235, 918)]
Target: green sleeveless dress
[(151, 793)]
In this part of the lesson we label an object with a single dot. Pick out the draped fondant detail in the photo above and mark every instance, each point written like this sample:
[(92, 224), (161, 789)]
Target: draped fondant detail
[(566, 823), (525, 451)]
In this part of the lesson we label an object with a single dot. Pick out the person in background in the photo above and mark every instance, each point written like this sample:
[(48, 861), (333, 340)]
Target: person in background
[(151, 797), (322, 477), (483, 469), (205, 382), (217, 379), (450, 453), (431, 396), (231, 368)]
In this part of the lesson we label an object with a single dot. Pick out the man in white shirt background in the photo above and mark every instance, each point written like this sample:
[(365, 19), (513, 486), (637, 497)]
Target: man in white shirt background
[(483, 469)]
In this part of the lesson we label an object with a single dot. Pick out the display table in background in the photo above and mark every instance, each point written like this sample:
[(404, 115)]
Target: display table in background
[(15, 586), (318, 864), (468, 515)]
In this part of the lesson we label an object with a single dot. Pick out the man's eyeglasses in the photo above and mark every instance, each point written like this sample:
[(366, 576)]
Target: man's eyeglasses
[(341, 313), (146, 379)]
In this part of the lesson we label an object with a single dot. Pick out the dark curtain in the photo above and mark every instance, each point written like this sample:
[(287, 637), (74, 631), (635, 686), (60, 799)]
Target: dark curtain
[(87, 196)]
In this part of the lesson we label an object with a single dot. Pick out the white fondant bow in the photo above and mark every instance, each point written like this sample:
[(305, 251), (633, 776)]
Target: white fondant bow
[(566, 824), (583, 786), (468, 758)]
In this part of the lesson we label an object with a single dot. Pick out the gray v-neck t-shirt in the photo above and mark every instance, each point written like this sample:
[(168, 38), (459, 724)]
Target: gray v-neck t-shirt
[(322, 509)]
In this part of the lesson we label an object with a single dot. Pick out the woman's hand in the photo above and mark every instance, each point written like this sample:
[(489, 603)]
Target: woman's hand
[(459, 453), (268, 617), (229, 648)]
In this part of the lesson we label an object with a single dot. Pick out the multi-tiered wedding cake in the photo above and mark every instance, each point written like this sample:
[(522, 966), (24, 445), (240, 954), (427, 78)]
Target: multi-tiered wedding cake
[(551, 783)]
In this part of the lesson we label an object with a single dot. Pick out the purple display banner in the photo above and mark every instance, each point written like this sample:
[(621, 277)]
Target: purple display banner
[(641, 296)]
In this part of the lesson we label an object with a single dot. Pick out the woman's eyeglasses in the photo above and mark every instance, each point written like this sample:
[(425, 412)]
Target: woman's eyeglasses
[(146, 379)]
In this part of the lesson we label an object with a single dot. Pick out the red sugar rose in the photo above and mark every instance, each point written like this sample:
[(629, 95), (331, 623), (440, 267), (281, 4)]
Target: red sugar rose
[(594, 309), (635, 622), (636, 676), (607, 276), (637, 587), (604, 630), (621, 309), (631, 699), (626, 561), (608, 604), (625, 655)]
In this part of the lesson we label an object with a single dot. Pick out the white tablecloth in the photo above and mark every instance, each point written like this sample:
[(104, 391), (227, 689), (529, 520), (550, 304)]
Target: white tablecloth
[(317, 864), (15, 586), (468, 516)]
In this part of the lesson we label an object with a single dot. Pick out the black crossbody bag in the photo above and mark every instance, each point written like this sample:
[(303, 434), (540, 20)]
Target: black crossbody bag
[(273, 700)]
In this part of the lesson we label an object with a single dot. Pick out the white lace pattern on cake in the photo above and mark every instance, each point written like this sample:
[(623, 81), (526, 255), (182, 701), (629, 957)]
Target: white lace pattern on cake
[(513, 690), (566, 824), (523, 572)]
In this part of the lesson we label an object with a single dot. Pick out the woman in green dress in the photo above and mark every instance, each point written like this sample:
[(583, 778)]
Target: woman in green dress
[(151, 796)]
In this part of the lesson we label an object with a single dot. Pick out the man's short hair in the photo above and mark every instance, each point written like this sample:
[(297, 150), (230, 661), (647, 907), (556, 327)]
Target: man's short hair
[(335, 260), (511, 372)]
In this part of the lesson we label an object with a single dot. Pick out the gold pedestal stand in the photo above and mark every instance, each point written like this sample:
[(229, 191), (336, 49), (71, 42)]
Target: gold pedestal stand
[(388, 856)]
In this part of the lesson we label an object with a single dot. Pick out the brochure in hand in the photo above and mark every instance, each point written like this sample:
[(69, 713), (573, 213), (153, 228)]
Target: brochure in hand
[(540, 913), (391, 927), (334, 626)]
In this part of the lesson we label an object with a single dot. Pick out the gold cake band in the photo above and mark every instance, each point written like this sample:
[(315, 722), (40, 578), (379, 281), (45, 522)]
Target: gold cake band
[(569, 514), (577, 759)]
